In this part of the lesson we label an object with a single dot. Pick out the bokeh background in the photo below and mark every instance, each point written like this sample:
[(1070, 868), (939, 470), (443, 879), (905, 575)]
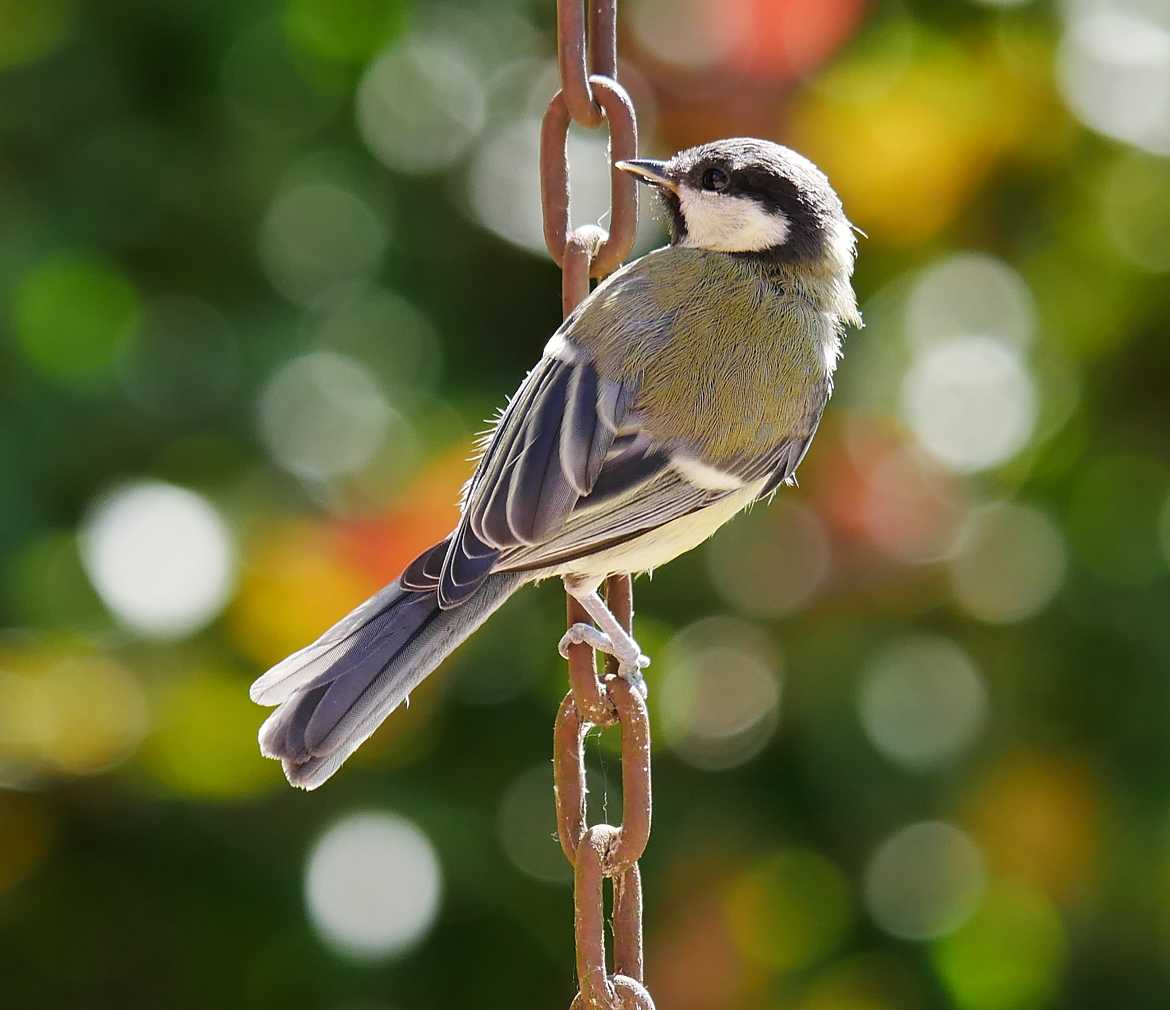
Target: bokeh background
[(264, 268)]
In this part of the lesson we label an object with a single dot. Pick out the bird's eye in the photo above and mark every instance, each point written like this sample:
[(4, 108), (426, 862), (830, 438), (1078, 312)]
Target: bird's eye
[(715, 180)]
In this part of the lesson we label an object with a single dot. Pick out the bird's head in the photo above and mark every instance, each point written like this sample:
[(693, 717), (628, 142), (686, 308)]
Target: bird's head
[(752, 197)]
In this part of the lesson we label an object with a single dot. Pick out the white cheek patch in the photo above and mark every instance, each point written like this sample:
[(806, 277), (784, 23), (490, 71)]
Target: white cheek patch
[(730, 223)]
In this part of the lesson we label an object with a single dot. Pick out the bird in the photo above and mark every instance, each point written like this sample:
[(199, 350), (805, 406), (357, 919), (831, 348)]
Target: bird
[(688, 385)]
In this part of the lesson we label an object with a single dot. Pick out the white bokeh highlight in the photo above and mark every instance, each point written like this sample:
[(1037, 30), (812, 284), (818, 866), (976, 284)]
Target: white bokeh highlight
[(323, 416), (317, 235), (1009, 563), (771, 563), (421, 105), (720, 693), (970, 402), (161, 558), (969, 293), (922, 702), (373, 886), (1113, 70), (527, 829), (389, 335), (924, 881)]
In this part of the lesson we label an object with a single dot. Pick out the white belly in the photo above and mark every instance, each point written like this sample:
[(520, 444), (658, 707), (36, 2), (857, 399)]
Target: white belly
[(658, 546)]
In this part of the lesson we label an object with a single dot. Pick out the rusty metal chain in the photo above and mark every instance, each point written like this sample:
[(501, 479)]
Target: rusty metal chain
[(591, 96)]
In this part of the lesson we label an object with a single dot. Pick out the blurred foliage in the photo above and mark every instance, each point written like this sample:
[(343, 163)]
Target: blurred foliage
[(267, 265)]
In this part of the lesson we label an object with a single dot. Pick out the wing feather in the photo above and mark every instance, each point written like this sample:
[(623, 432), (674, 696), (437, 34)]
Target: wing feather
[(487, 499), (422, 574), (581, 432), (550, 445), (540, 493)]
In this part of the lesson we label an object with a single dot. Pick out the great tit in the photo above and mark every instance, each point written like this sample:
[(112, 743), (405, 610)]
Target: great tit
[(688, 385)]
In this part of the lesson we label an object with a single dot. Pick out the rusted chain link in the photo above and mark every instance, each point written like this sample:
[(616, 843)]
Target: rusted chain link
[(591, 96), (554, 174), (579, 55), (603, 850), (629, 710)]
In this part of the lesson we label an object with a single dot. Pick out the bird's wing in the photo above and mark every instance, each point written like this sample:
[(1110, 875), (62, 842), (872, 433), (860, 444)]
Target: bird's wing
[(619, 510), (548, 451), (573, 466)]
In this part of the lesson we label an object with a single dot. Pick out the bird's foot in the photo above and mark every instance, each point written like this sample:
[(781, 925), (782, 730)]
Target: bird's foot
[(585, 634), (631, 661)]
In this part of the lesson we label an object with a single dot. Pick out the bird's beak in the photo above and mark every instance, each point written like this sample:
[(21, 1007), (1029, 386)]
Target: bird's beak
[(649, 171)]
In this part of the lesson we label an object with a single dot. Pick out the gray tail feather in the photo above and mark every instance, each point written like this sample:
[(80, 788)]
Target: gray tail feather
[(330, 713)]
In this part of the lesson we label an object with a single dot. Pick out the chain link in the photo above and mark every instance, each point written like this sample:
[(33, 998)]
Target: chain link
[(591, 96), (554, 174)]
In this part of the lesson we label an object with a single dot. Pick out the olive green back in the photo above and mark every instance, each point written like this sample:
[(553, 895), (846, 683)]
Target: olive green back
[(730, 354)]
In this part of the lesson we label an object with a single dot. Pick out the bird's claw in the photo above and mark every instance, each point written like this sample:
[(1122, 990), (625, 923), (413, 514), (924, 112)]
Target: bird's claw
[(631, 673), (630, 666), (585, 634)]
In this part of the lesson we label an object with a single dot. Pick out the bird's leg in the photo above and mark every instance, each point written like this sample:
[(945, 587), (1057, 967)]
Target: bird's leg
[(612, 638)]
